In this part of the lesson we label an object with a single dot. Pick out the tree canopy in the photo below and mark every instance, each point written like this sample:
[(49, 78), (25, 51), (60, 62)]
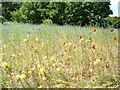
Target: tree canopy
[(73, 13)]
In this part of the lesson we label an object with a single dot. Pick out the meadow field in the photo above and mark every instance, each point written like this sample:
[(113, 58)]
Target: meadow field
[(51, 56)]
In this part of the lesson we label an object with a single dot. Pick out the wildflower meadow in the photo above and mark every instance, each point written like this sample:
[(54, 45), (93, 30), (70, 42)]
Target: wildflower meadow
[(51, 56)]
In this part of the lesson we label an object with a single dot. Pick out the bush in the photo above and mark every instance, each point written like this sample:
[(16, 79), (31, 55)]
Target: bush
[(47, 21), (2, 19)]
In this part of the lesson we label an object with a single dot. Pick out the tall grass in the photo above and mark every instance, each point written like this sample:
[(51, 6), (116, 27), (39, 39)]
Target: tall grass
[(49, 56)]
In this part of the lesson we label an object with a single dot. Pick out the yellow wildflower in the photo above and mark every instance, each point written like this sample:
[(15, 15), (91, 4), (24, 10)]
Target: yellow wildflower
[(82, 39), (4, 46), (42, 70), (25, 40), (43, 44), (18, 77), (38, 66), (59, 70), (96, 62), (13, 55), (36, 39), (0, 60), (91, 70), (44, 78), (20, 54), (23, 77), (4, 65), (30, 72), (53, 58), (32, 69), (54, 65), (40, 86)]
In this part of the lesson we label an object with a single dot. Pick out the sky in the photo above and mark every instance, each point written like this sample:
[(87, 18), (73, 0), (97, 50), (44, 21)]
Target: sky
[(114, 7)]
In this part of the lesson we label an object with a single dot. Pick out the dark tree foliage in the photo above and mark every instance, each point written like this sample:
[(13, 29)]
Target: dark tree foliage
[(73, 13), (8, 8)]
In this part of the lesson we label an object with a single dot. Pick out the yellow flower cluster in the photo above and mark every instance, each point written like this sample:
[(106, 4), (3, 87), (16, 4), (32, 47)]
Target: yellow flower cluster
[(96, 62), (21, 77)]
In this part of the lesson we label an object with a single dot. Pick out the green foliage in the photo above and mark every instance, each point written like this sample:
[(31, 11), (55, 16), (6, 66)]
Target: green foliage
[(47, 21), (2, 19), (115, 22), (8, 8), (73, 13)]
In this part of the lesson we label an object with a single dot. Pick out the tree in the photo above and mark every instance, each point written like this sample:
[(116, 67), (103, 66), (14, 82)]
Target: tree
[(73, 13)]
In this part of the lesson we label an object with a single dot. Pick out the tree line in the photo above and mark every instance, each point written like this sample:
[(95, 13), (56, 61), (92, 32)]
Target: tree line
[(61, 13)]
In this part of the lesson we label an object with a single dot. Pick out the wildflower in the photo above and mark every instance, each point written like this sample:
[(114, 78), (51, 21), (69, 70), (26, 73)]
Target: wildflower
[(38, 66), (5, 65), (18, 77), (62, 55), (30, 72), (100, 58), (53, 58), (54, 65), (70, 43), (81, 37), (115, 38), (13, 55), (32, 69), (93, 46), (65, 50), (94, 30), (23, 77), (96, 62), (4, 46), (90, 39), (43, 44), (91, 70), (44, 78), (0, 60), (36, 39), (40, 86), (58, 70), (25, 40), (44, 57), (42, 71), (28, 36), (65, 44), (74, 47), (20, 54), (12, 74), (111, 30)]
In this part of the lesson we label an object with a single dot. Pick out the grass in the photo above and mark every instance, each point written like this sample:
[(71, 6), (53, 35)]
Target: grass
[(51, 56)]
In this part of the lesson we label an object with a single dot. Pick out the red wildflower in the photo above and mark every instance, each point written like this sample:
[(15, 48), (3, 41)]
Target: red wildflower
[(74, 47), (80, 37), (65, 43), (111, 30), (100, 58), (115, 38), (94, 30), (65, 50), (84, 46), (93, 46), (62, 55), (90, 39)]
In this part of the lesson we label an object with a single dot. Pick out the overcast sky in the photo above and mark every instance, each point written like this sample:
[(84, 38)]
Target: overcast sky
[(114, 7)]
